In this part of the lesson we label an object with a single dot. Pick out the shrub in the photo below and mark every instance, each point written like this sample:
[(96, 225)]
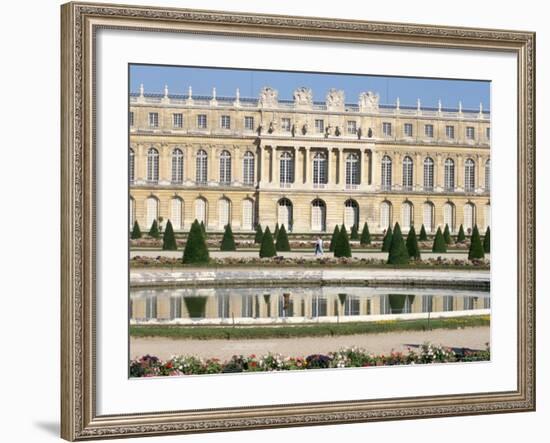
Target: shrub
[(487, 241), (195, 250), (259, 234), (476, 248), (335, 235), (447, 235), (439, 242), (354, 234), (342, 247), (276, 231), (386, 243), (398, 254), (423, 236), (412, 244), (136, 232), (281, 244), (203, 229), (154, 231), (228, 241), (267, 248), (169, 239), (196, 306), (461, 237), (365, 235)]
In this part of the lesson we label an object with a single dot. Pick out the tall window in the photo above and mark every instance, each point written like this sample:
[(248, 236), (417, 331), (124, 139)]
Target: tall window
[(132, 212), (224, 207), (352, 305), (352, 127), (131, 119), (318, 215), (385, 214), (177, 120), (449, 175), (386, 173), (469, 175), (320, 170), (249, 123), (248, 214), (319, 126), (248, 168), (351, 213), (428, 174), (131, 166), (154, 119), (407, 173), (200, 210), (449, 216), (429, 131), (225, 122), (176, 213), (386, 129), (201, 121), (284, 213), (177, 166), (318, 306), (202, 167), (225, 168), (470, 132), (152, 206), (408, 129), (488, 133), (469, 217), (487, 215), (352, 171), (152, 165), (406, 215), (450, 132), (286, 169), (285, 124), (428, 216), (488, 175)]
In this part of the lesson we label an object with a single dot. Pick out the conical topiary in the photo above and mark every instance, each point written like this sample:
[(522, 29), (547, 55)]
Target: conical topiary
[(461, 237), (228, 242), (423, 236), (136, 232), (365, 235), (259, 234), (342, 247), (412, 244), (335, 235), (281, 243), (447, 235), (154, 231), (195, 250), (267, 248), (386, 243), (203, 229), (476, 248), (487, 241), (169, 239), (276, 231), (398, 254), (439, 242), (354, 234)]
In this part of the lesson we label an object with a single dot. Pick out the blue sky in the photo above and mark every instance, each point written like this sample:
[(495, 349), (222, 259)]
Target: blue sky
[(250, 82)]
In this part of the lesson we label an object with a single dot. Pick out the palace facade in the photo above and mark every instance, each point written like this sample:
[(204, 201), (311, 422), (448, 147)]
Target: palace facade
[(305, 164)]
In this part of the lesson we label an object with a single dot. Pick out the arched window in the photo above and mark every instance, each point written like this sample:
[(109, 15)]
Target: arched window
[(152, 206), (406, 215), (131, 166), (487, 215), (248, 214), (152, 165), (284, 213), (407, 173), (132, 209), (320, 170), (428, 217), (177, 166), (449, 175), (352, 171), (428, 174), (248, 168), (386, 173), (286, 169), (176, 213), (488, 175), (469, 217), (201, 210), (449, 216), (351, 214), (224, 212), (385, 214), (469, 175), (225, 168), (318, 215), (201, 167)]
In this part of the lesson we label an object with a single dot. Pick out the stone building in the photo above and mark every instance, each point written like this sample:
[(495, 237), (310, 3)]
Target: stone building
[(305, 164)]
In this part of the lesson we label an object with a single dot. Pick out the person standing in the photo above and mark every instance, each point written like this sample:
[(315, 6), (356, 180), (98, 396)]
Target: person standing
[(319, 246)]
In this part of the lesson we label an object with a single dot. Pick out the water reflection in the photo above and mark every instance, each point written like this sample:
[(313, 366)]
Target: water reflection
[(295, 304)]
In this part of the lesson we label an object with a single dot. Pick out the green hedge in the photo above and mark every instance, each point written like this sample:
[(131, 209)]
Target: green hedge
[(476, 248), (412, 244), (398, 254), (282, 244), (439, 244), (169, 239), (365, 235), (195, 250), (386, 243), (228, 241), (267, 248), (136, 232)]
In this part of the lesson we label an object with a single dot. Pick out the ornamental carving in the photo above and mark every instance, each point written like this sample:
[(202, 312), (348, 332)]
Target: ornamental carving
[(335, 100), (368, 101), (269, 98), (303, 97)]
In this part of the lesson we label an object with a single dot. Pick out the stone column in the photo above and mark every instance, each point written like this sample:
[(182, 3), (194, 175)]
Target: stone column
[(140, 162), (397, 171), (276, 169), (439, 172), (341, 167), (459, 172), (307, 165), (330, 173), (189, 164), (418, 171), (165, 164), (213, 165), (375, 168), (264, 175), (362, 168), (479, 165), (237, 166)]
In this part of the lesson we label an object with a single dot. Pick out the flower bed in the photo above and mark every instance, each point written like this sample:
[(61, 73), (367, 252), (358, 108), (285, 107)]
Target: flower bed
[(150, 366)]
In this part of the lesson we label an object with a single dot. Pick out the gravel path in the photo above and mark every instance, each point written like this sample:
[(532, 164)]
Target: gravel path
[(474, 338)]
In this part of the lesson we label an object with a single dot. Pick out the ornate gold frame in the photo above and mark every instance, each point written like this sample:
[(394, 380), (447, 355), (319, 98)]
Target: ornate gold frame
[(79, 420)]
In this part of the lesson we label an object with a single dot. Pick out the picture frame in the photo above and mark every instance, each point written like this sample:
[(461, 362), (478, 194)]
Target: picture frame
[(80, 242)]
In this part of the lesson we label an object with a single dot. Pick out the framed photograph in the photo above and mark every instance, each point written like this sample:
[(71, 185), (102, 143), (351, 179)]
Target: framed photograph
[(277, 221)]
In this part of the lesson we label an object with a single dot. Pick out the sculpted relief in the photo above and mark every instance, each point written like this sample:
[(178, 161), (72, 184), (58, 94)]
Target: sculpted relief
[(303, 97), (335, 99), (269, 98), (368, 101)]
